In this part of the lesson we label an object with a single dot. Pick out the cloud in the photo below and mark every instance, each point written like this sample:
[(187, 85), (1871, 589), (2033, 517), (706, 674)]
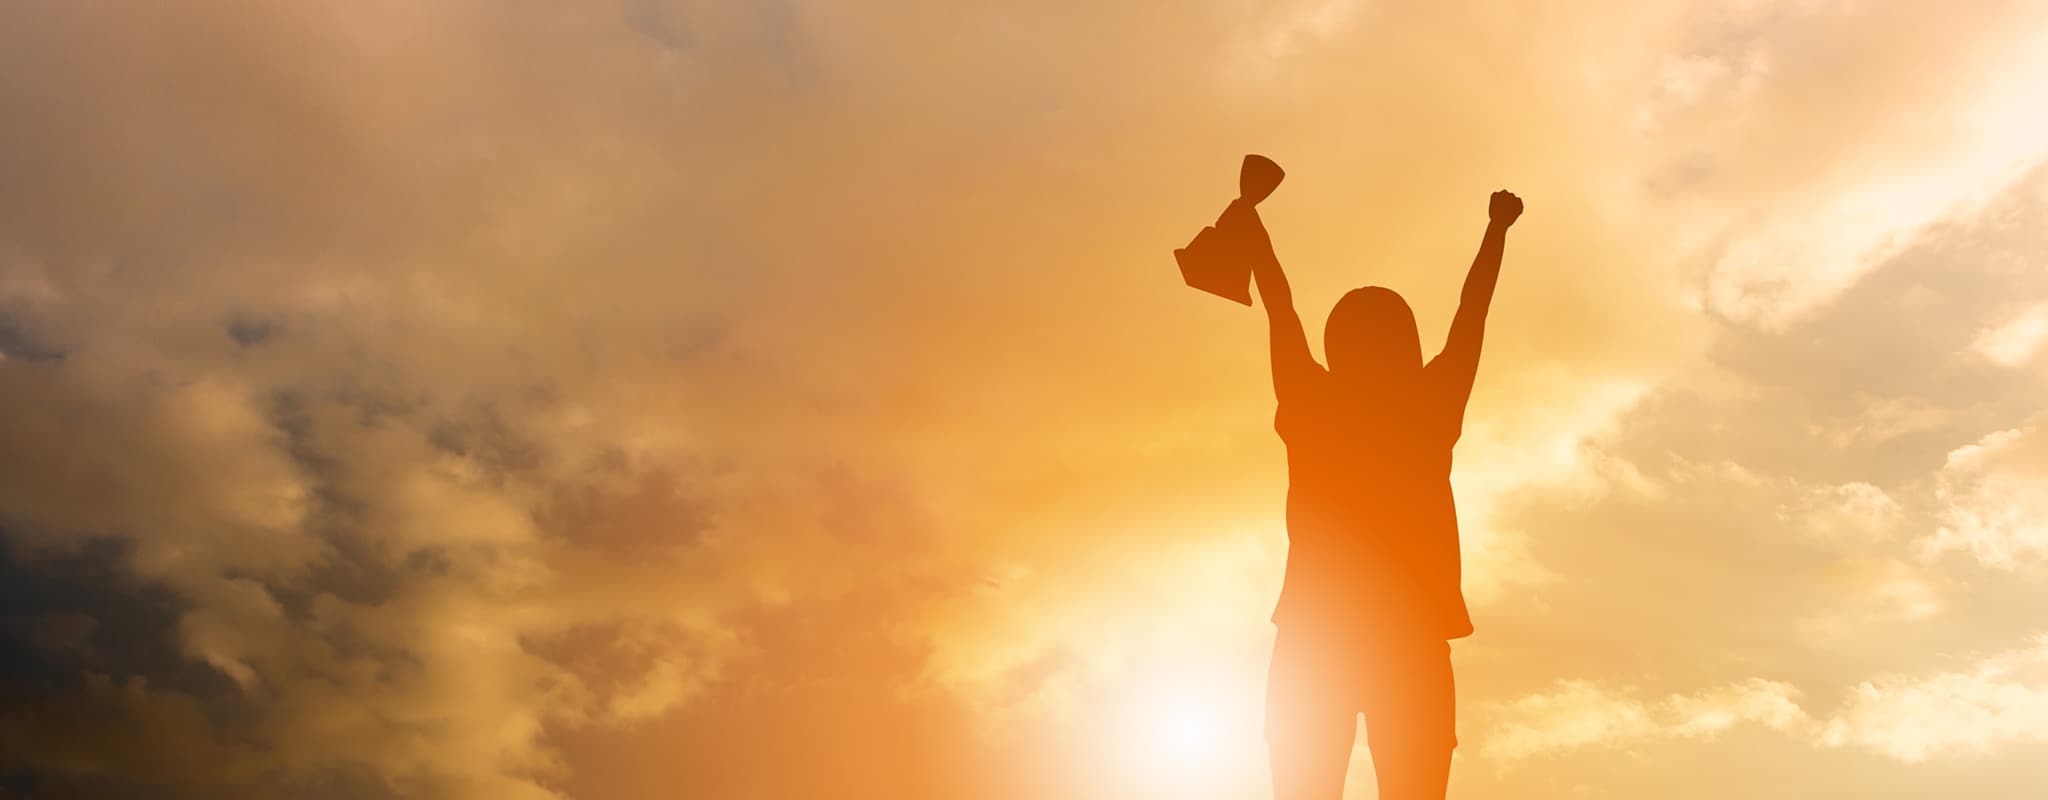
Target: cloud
[(288, 349), (2015, 341), (1293, 27), (1576, 714), (1849, 513), (1880, 589), (1998, 699), (1848, 197), (1880, 419), (1991, 499)]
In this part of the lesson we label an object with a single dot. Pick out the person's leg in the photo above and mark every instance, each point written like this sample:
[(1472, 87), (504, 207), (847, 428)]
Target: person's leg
[(1309, 764), (1411, 720), (1310, 725)]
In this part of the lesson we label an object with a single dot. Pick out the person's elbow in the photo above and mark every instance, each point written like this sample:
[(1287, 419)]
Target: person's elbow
[(1474, 301)]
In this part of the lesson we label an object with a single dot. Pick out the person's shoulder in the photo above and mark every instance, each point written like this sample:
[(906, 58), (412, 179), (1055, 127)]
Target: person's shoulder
[(1439, 371), (1443, 403)]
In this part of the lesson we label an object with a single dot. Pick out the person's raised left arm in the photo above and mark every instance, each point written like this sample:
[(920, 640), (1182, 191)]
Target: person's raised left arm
[(1459, 362)]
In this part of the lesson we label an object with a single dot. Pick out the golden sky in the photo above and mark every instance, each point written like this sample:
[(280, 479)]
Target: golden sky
[(654, 399)]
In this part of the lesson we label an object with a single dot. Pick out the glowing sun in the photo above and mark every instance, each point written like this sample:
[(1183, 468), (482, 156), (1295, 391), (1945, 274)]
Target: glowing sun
[(1188, 732), (1182, 733)]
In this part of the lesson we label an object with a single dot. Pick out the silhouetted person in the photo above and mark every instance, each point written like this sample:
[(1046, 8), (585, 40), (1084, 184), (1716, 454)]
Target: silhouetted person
[(1372, 597)]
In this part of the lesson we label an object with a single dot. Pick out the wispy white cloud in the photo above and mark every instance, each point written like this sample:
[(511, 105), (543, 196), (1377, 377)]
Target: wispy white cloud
[(2017, 340), (1855, 179), (2000, 699), (1854, 513), (1997, 699), (1577, 714), (1994, 499)]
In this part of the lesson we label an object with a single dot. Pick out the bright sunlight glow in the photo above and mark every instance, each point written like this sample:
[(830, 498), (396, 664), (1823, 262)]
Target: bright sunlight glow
[(1186, 732), (1192, 738)]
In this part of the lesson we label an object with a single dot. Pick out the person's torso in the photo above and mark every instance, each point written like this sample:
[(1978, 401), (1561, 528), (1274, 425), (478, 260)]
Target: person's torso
[(1372, 525)]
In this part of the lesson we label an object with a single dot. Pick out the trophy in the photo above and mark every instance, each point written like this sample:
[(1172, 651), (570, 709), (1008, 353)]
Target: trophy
[(1213, 262)]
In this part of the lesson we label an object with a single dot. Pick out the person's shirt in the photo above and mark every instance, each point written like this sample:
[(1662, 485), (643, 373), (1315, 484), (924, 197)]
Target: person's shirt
[(1372, 527)]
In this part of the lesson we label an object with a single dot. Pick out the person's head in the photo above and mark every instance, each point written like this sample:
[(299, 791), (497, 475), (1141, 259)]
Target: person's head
[(1371, 336)]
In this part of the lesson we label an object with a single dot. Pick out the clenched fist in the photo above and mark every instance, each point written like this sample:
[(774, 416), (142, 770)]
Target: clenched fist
[(1504, 208)]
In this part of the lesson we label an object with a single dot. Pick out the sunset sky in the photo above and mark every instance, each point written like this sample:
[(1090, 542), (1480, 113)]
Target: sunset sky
[(766, 399)]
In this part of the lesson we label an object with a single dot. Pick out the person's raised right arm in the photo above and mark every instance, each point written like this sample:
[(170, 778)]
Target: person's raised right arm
[(1293, 366)]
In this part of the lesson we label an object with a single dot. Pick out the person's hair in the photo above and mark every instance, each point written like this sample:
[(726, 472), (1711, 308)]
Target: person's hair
[(1371, 334)]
